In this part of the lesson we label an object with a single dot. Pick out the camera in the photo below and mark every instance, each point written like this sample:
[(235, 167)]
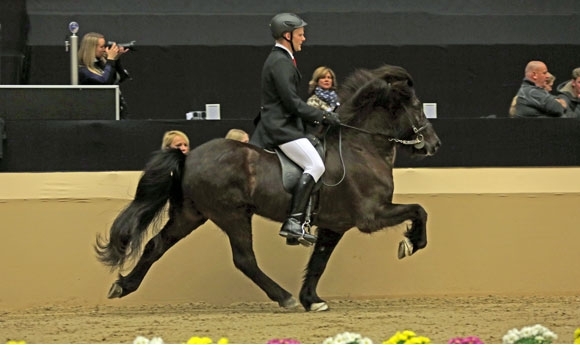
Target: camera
[(128, 45)]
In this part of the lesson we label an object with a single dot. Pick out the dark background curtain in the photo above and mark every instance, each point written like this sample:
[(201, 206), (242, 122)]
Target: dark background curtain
[(467, 56)]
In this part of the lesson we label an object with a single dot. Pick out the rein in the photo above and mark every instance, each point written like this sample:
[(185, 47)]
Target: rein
[(417, 141)]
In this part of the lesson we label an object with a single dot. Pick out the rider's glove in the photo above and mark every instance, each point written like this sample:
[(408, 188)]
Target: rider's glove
[(330, 119)]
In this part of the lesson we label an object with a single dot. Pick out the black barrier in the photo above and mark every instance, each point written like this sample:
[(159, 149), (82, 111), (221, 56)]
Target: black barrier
[(50, 146), (59, 102)]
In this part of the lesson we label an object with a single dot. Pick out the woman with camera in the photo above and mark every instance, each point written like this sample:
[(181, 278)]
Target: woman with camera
[(99, 64)]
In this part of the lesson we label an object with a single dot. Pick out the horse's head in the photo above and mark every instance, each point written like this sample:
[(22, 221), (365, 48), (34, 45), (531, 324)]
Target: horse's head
[(383, 102)]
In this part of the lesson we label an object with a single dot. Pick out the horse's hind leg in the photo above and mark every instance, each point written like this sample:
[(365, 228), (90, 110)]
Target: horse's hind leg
[(327, 241), (174, 230), (238, 227)]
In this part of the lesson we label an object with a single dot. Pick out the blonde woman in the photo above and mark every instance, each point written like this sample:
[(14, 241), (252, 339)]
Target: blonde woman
[(175, 140), (238, 134), (99, 64)]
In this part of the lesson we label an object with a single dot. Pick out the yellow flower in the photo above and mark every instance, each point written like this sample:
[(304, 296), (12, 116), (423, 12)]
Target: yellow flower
[(15, 342), (407, 337), (199, 340), (206, 340), (577, 336)]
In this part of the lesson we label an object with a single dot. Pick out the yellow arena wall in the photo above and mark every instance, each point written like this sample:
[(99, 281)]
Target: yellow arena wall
[(490, 231)]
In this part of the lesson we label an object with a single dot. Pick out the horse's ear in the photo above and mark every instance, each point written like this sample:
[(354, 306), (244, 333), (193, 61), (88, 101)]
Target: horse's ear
[(384, 94)]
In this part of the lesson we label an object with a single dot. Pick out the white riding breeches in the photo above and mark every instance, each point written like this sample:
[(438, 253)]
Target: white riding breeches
[(302, 152)]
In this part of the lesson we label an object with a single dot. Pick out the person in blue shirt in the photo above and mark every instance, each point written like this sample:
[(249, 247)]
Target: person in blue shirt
[(99, 64)]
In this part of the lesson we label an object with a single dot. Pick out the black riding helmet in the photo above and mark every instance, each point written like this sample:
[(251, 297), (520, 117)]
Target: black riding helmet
[(285, 22)]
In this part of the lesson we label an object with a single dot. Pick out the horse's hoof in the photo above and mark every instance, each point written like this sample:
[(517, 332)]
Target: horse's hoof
[(322, 306), (116, 291), (405, 248), (290, 303)]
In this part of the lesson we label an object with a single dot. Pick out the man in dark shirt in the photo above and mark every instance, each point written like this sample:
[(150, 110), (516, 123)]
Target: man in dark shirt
[(532, 99)]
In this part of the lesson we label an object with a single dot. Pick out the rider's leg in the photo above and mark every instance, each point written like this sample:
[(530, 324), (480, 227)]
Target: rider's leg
[(305, 155)]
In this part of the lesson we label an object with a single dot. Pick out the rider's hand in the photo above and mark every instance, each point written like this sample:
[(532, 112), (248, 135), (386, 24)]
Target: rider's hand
[(331, 119)]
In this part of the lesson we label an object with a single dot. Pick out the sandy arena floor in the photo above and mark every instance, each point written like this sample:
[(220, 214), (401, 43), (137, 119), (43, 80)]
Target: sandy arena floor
[(488, 317)]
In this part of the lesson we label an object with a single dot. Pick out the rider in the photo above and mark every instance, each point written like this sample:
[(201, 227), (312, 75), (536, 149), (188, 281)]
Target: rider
[(282, 113)]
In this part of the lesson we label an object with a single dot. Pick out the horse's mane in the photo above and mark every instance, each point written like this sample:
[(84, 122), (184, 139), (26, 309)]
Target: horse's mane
[(364, 87)]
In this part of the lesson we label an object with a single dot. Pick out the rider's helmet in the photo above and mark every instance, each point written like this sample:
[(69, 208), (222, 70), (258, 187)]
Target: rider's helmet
[(285, 22)]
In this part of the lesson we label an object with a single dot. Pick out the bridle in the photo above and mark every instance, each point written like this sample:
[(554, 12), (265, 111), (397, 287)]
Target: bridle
[(418, 142)]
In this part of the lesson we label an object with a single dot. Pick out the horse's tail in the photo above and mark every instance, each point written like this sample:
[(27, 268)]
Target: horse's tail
[(160, 182)]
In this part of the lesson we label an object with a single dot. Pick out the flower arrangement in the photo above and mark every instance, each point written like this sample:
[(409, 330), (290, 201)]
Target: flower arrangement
[(536, 334), (206, 340), (465, 340), (577, 336), (283, 341), (407, 337), (347, 338)]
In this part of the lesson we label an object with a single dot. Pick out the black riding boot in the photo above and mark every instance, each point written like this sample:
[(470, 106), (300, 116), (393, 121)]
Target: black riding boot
[(292, 227)]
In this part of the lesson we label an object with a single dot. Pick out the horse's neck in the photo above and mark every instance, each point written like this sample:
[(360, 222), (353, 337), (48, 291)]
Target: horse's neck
[(377, 146)]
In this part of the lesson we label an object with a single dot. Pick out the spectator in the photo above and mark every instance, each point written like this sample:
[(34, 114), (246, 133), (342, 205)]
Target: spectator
[(550, 79), (99, 64), (569, 91), (238, 134), (322, 89), (532, 98), (175, 140), (322, 95)]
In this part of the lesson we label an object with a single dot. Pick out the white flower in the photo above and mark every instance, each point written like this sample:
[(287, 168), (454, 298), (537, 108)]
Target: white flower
[(143, 340), (347, 338), (537, 332)]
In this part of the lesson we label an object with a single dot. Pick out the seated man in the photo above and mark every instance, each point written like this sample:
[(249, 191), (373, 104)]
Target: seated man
[(569, 91), (550, 79), (533, 100)]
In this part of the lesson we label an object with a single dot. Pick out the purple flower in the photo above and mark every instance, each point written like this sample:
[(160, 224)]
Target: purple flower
[(465, 340), (283, 341)]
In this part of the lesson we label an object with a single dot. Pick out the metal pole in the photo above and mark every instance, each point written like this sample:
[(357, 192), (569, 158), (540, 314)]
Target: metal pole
[(74, 62), (74, 52)]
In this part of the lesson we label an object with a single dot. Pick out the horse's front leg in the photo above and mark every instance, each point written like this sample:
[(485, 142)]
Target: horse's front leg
[(327, 241), (416, 234)]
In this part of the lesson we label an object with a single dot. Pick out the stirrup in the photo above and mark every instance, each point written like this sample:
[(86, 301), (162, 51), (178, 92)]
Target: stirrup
[(295, 236), (306, 233)]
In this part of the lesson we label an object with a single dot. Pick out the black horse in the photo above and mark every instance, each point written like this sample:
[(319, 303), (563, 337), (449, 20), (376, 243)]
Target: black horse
[(228, 182)]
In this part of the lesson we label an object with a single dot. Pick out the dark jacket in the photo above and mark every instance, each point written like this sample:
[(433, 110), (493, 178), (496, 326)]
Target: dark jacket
[(566, 92), (113, 73), (282, 112), (533, 101)]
